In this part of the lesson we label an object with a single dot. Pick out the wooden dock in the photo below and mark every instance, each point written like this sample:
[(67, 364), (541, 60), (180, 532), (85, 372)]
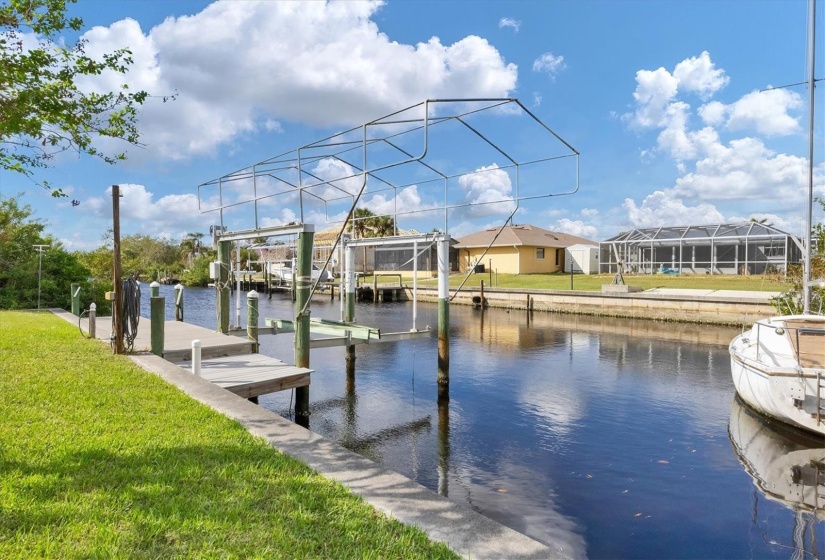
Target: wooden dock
[(226, 360), (253, 374)]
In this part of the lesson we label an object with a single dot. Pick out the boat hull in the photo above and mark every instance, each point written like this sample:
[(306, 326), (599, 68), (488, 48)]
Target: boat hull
[(788, 395)]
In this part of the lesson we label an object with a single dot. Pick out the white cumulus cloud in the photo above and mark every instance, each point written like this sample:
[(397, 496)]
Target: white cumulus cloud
[(243, 67), (699, 74), (664, 208), (576, 227), (488, 189)]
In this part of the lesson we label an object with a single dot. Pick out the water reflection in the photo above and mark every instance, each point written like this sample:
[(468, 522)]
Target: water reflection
[(787, 467), (609, 436)]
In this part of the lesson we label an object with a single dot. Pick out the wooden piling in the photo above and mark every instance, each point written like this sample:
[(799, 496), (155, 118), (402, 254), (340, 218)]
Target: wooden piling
[(252, 319), (179, 302), (157, 317), (301, 287), (349, 303), (443, 379), (117, 282), (224, 252)]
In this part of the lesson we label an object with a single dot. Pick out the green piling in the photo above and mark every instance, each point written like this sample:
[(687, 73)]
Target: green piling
[(302, 286), (76, 300), (157, 318)]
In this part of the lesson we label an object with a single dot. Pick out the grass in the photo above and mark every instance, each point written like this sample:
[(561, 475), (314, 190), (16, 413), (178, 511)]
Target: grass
[(101, 459), (560, 281)]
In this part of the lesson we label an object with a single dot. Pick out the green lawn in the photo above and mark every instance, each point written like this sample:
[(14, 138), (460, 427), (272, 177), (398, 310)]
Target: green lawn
[(101, 459), (594, 282)]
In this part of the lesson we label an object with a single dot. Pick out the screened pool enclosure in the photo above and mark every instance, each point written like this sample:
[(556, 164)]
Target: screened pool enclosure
[(745, 248)]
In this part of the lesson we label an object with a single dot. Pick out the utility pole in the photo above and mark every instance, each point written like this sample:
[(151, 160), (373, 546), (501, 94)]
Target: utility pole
[(39, 249), (117, 307)]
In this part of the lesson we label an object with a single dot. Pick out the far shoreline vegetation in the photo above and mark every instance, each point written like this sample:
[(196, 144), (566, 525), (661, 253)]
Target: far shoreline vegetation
[(187, 260)]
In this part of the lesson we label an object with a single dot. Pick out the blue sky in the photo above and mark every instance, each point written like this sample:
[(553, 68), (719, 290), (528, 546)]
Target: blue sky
[(661, 98)]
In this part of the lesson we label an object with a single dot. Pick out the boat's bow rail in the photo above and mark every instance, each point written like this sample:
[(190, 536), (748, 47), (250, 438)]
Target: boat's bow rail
[(796, 341)]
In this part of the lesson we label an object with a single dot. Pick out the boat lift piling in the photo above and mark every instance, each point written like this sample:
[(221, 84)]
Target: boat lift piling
[(443, 379), (302, 288), (349, 305), (224, 250)]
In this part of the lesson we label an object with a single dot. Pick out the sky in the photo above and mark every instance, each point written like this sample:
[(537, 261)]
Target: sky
[(664, 101)]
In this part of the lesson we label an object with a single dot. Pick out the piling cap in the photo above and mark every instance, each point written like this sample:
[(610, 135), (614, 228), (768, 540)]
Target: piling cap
[(154, 284), (252, 294), (93, 307), (178, 286)]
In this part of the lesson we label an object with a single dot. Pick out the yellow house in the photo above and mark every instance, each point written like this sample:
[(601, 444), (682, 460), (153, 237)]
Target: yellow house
[(518, 249)]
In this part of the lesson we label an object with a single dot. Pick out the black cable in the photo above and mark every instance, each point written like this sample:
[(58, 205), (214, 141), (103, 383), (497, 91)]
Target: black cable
[(79, 317), (131, 311)]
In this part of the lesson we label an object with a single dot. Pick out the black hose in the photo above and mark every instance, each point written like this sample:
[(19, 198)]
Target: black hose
[(79, 317), (131, 311)]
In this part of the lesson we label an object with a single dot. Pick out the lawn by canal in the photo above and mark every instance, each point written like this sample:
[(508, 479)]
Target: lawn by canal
[(100, 459)]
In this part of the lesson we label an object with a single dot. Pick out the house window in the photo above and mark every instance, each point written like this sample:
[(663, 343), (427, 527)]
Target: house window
[(557, 257), (540, 253)]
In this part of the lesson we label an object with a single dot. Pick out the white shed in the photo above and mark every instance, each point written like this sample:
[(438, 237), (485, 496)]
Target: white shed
[(583, 258)]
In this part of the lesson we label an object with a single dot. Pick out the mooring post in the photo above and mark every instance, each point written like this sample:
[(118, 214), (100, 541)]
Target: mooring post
[(178, 302), (303, 284), (76, 300), (482, 295), (252, 319), (93, 320), (196, 357), (157, 318), (224, 252), (154, 289), (349, 281), (374, 287), (443, 253)]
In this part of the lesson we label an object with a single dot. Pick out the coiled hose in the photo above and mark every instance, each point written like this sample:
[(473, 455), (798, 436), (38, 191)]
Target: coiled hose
[(130, 312)]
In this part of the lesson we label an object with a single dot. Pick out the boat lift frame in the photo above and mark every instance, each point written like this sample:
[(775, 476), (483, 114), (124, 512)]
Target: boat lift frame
[(294, 178)]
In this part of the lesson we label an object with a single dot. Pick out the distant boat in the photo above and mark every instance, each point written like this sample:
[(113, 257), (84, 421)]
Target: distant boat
[(778, 366)]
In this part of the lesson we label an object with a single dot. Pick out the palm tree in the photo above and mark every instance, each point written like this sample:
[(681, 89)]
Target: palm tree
[(190, 246), (361, 222)]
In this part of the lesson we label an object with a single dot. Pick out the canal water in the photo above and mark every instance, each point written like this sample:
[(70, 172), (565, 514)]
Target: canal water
[(618, 438)]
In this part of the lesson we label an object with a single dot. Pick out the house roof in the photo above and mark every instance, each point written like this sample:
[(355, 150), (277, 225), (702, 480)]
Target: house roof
[(676, 234), (521, 235)]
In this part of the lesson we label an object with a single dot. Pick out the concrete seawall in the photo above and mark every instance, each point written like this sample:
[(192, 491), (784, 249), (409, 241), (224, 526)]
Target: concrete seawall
[(719, 307)]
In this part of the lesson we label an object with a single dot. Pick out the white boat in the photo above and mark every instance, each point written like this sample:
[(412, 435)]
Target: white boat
[(778, 366)]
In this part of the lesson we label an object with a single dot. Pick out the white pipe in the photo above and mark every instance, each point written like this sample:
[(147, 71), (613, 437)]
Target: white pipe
[(415, 284), (238, 291), (196, 357), (443, 252)]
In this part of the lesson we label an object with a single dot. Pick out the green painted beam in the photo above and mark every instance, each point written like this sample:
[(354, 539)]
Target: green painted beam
[(326, 327)]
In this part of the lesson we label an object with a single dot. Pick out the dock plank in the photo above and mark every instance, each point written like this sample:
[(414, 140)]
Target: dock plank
[(253, 375)]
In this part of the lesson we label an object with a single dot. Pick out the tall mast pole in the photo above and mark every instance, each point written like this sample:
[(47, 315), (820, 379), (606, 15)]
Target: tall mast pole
[(806, 288)]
